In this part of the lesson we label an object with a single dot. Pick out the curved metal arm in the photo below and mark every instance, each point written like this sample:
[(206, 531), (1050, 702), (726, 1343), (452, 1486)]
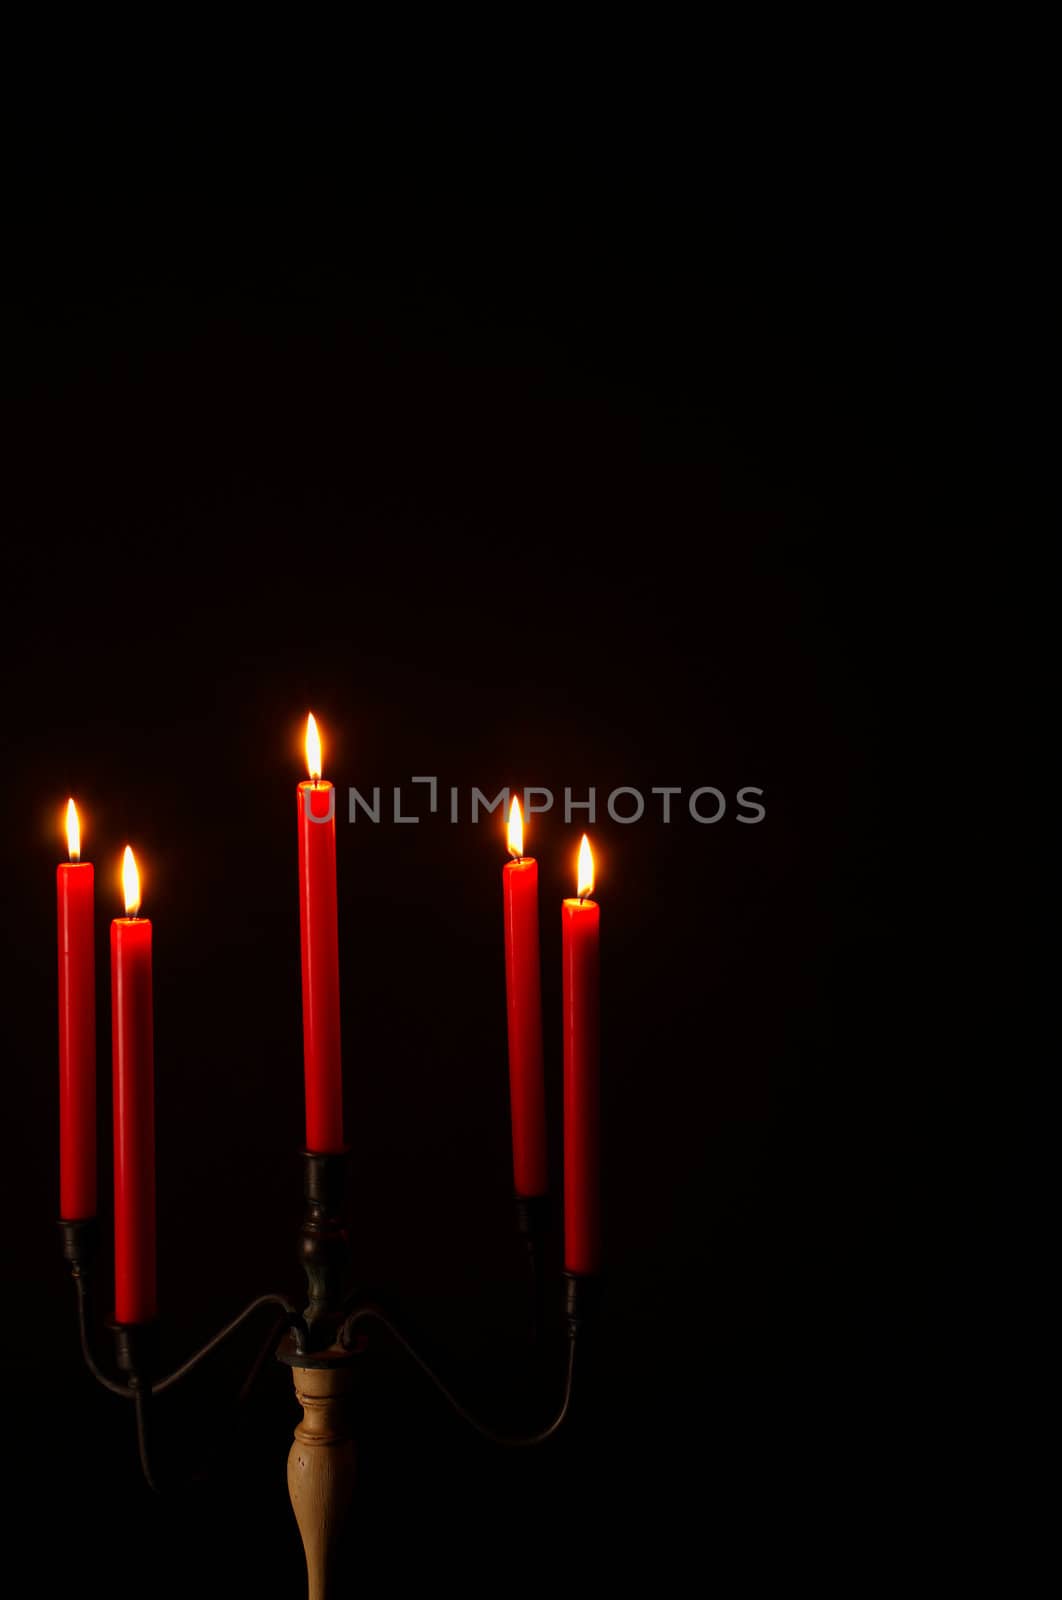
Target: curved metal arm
[(144, 1393), (509, 1441), (86, 1347), (294, 1320)]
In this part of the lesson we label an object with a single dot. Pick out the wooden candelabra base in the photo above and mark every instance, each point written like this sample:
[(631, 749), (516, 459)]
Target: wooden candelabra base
[(321, 1464)]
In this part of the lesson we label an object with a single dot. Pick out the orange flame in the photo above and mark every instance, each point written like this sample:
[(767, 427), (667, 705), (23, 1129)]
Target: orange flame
[(130, 883), (586, 869), (516, 829), (313, 748), (73, 831)]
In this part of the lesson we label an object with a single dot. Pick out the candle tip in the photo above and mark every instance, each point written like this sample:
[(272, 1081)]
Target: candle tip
[(73, 831), (130, 883), (516, 830), (586, 869), (313, 748)]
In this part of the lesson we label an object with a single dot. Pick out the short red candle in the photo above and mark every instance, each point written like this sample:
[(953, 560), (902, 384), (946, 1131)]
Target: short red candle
[(319, 935), (75, 903), (523, 990), (135, 1291), (580, 929)]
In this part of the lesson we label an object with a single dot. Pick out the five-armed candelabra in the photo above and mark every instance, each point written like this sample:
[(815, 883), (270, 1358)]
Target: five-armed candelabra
[(322, 1344), (325, 1342)]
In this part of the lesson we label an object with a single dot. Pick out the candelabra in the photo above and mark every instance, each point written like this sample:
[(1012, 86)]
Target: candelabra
[(323, 1345)]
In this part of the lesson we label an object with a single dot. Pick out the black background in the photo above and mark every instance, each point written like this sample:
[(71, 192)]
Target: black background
[(627, 482)]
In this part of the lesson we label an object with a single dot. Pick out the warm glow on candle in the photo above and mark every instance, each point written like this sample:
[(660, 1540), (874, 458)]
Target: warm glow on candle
[(313, 748), (73, 831), (586, 869), (516, 829), (130, 883)]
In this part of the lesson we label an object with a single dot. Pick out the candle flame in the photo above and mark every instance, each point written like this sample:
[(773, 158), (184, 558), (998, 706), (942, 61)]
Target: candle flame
[(73, 831), (516, 829), (586, 869), (313, 748), (130, 883)]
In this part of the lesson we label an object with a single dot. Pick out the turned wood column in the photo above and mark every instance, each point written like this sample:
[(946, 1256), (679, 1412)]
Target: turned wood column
[(321, 1466)]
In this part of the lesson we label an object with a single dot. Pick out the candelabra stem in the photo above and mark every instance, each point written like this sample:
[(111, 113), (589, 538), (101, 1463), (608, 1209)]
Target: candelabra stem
[(322, 1466), (323, 1241)]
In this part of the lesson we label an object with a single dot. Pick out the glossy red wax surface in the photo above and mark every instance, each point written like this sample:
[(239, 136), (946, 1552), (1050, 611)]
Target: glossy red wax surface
[(75, 900), (523, 990), (319, 935), (580, 929), (133, 1055)]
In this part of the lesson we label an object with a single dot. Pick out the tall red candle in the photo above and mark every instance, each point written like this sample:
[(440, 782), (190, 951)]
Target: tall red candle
[(580, 928), (135, 1291), (75, 904), (319, 935), (523, 990)]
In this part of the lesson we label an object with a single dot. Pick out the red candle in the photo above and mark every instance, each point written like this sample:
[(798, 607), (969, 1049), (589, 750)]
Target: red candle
[(135, 1293), (523, 990), (580, 926), (75, 901), (319, 933)]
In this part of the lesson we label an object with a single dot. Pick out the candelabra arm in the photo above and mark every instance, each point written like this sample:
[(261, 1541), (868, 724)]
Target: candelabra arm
[(79, 1252), (135, 1351), (84, 1318), (293, 1320), (509, 1441)]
